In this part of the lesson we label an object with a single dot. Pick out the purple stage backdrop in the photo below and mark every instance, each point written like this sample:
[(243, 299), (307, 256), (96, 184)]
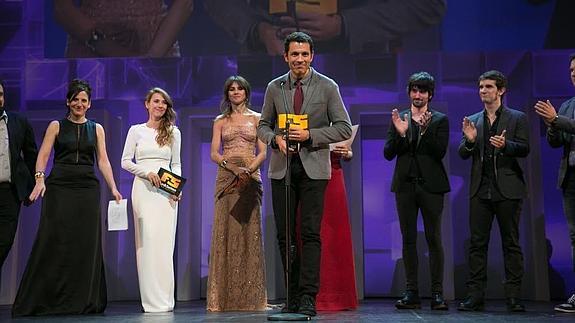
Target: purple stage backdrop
[(372, 84)]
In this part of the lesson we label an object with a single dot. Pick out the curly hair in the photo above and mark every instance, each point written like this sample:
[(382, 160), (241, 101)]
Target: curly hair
[(168, 120)]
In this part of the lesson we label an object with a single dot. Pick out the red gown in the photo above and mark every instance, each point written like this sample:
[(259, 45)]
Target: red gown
[(337, 272)]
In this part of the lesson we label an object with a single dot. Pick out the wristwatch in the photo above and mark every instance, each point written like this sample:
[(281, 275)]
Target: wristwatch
[(95, 37), (223, 163)]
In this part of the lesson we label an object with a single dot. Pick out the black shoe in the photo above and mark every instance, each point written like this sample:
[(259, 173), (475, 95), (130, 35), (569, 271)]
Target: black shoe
[(472, 303), (292, 307), (514, 305), (438, 303), (410, 301), (568, 306), (307, 305)]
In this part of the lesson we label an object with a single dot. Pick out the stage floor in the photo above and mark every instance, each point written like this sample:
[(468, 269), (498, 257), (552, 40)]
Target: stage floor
[(371, 310)]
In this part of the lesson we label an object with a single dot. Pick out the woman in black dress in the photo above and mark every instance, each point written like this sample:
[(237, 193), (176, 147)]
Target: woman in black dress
[(65, 271)]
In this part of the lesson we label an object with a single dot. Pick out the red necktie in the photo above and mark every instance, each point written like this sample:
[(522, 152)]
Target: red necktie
[(297, 97)]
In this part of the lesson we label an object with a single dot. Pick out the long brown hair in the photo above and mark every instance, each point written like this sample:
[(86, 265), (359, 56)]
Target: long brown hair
[(225, 104), (168, 120)]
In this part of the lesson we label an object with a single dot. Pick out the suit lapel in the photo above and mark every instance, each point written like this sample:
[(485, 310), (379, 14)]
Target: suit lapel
[(308, 95), (569, 114), (409, 130), (479, 126), (12, 134), (285, 93), (504, 119), (428, 127)]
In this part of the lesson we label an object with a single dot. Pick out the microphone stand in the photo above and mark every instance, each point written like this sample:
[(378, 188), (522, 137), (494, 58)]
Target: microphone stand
[(289, 249)]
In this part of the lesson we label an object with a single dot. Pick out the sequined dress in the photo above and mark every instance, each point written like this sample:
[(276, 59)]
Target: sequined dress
[(236, 280), (132, 23)]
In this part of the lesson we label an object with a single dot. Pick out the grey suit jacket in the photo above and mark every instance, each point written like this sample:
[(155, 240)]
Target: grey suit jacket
[(328, 122), (560, 133), (508, 172)]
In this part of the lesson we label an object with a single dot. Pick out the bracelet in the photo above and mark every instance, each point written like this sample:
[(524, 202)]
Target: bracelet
[(223, 163), (39, 174)]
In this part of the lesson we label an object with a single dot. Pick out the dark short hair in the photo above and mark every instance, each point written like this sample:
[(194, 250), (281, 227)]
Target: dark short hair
[(225, 104), (298, 37), (76, 86), (498, 77), (571, 58), (423, 82), (2, 84)]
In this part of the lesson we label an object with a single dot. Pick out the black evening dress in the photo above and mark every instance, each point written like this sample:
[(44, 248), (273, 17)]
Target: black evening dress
[(65, 271)]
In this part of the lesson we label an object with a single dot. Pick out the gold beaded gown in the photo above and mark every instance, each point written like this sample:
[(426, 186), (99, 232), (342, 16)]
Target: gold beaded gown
[(133, 24), (236, 280)]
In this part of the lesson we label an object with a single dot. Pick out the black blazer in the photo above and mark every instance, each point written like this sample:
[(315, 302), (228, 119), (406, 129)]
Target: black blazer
[(560, 134), (430, 151), (23, 154), (508, 173)]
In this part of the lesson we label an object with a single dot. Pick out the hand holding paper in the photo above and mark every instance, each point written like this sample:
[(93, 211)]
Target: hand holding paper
[(348, 142), (118, 215)]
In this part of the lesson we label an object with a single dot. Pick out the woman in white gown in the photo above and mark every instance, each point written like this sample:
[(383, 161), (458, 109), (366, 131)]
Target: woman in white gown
[(154, 144)]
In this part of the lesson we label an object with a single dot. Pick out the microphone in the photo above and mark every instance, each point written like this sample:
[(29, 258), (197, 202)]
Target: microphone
[(291, 146)]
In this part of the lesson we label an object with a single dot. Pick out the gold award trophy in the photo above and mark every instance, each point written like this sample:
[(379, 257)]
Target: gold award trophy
[(292, 121)]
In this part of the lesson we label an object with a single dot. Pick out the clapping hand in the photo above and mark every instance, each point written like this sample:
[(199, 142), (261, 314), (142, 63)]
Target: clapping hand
[(423, 121), (546, 110), (469, 130), (498, 141), (400, 124)]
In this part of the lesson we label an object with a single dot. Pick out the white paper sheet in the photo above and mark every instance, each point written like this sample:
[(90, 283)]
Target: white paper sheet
[(346, 142), (118, 215)]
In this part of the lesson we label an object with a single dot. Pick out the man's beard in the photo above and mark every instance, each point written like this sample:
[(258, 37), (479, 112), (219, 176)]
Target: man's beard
[(418, 103)]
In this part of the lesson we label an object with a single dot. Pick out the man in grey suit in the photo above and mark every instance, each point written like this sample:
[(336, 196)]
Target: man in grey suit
[(495, 138), (560, 131), (302, 91)]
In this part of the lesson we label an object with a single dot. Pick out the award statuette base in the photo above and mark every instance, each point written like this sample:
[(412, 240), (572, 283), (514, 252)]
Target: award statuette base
[(288, 317)]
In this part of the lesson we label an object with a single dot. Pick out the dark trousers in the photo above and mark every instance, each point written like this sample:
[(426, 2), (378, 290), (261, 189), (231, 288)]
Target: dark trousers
[(9, 209), (308, 194), (481, 216), (408, 202), (569, 208)]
